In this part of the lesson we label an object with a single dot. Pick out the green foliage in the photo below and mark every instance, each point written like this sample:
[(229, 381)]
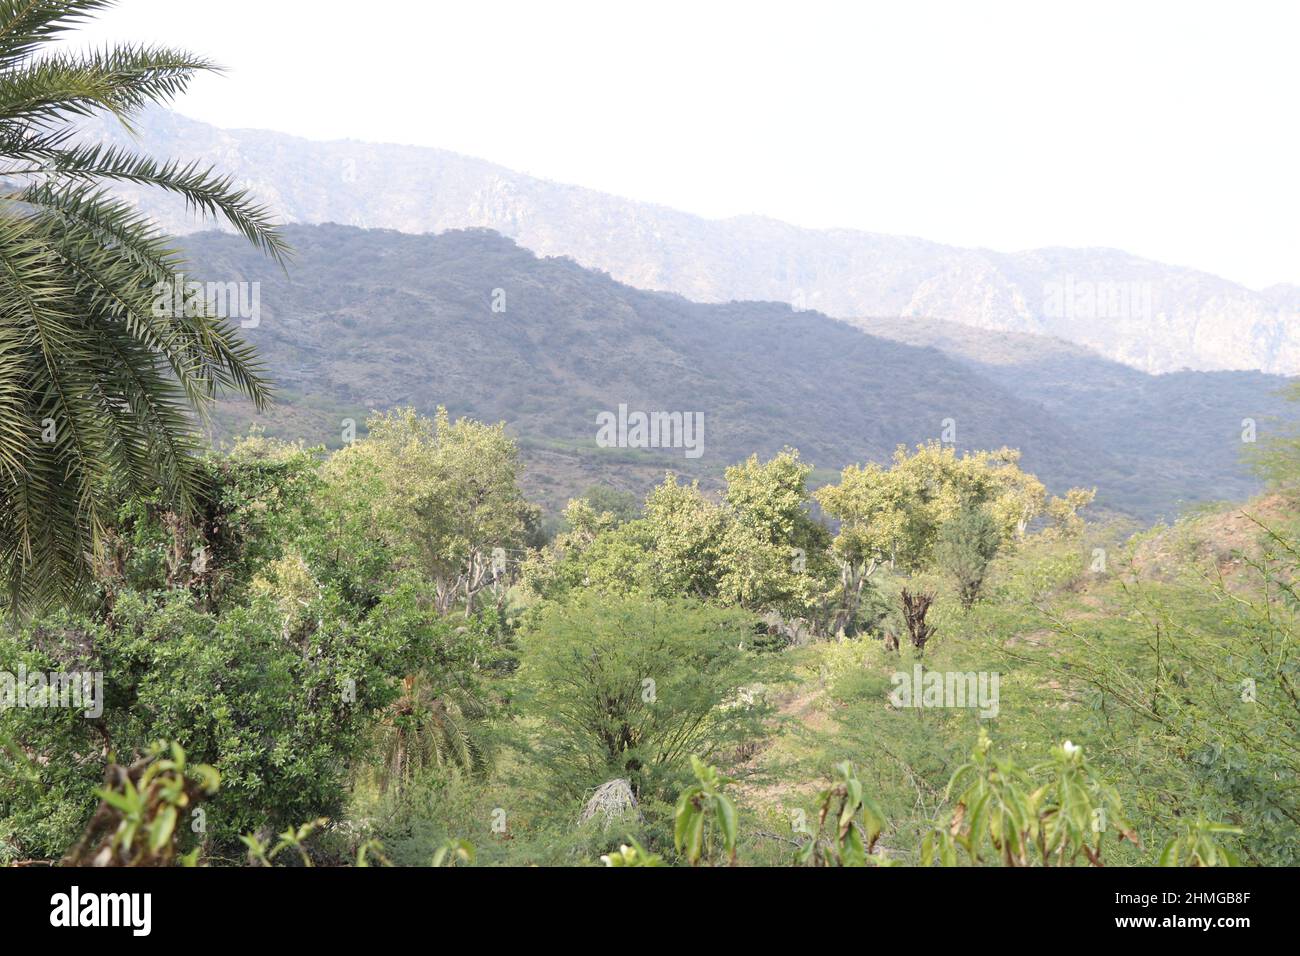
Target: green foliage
[(278, 712), (895, 514), (98, 385), (294, 838), (143, 811), (241, 636), (371, 849), (856, 822), (439, 497), (631, 686), (249, 509), (622, 505), (334, 638), (293, 842), (1199, 846), (705, 819), (1051, 814), (632, 854), (1195, 683), (966, 547), (455, 853), (759, 549), (435, 718)]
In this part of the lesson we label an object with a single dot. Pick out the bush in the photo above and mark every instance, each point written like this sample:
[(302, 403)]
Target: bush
[(966, 547), (632, 686), (280, 712)]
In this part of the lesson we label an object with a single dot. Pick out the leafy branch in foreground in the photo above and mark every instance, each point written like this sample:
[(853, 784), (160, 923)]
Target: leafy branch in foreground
[(1199, 846), (1050, 815), (856, 824), (142, 806), (632, 855), (705, 814), (454, 853), (294, 838)]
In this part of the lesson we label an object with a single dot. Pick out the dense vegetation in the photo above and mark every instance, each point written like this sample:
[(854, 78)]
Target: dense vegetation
[(379, 638)]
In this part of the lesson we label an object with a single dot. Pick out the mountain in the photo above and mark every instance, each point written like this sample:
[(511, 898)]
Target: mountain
[(367, 319), (1166, 428), (1151, 316)]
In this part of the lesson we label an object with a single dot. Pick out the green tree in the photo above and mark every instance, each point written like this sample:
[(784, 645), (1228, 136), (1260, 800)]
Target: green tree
[(279, 708), (236, 636), (98, 384), (594, 550), (440, 497), (630, 686), (966, 547), (758, 549), (894, 515), (622, 505), (775, 556)]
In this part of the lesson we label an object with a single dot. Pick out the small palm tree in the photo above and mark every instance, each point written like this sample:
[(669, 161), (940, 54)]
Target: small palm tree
[(99, 388), (424, 728)]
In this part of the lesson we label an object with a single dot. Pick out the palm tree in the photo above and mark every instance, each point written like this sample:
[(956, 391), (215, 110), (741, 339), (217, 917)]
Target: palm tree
[(99, 388), (425, 728)]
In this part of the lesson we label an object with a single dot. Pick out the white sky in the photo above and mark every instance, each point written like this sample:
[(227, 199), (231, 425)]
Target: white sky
[(1167, 129)]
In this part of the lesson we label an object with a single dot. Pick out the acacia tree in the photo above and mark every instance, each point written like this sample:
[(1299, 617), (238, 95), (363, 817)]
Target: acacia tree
[(631, 686), (97, 389)]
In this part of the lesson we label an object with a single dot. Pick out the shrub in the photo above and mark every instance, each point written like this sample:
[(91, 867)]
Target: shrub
[(280, 711), (631, 686), (966, 547)]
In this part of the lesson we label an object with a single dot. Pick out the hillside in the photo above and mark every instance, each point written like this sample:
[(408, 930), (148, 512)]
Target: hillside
[(1171, 427), (371, 319), (1151, 316)]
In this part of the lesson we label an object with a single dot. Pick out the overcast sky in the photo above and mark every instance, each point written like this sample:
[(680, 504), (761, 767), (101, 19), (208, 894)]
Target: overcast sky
[(1167, 129)]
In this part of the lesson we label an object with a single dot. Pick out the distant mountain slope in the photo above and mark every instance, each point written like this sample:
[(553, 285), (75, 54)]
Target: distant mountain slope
[(1167, 429), (1151, 316), (370, 319)]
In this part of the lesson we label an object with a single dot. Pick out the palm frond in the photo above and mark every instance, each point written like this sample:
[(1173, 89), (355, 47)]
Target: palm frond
[(121, 80), (100, 389), (25, 25), (204, 190)]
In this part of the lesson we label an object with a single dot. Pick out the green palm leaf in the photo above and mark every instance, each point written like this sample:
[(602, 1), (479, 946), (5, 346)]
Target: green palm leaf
[(100, 390)]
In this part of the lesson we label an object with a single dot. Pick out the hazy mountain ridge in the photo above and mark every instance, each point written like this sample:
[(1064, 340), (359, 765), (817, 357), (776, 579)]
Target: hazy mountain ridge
[(1178, 318), (1155, 422), (371, 319)]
